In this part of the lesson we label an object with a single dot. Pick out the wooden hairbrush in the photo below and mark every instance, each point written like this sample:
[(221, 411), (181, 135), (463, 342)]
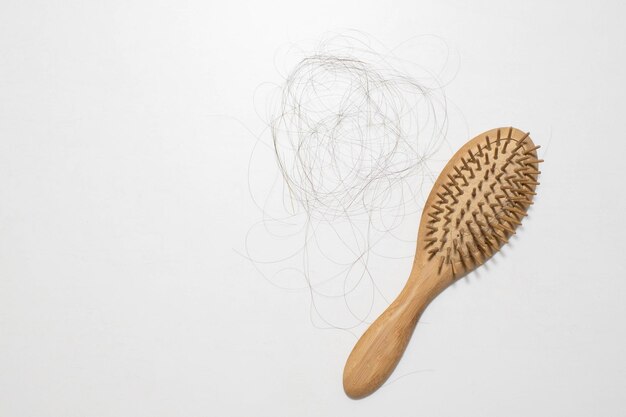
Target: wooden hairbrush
[(476, 204)]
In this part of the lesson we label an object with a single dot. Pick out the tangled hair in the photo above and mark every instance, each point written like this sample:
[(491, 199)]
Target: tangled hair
[(348, 127), (351, 127)]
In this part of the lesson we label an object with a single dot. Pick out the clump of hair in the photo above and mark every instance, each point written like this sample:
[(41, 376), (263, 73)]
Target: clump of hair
[(350, 127)]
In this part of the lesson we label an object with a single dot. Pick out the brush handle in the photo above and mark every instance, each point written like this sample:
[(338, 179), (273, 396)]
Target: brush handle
[(379, 350)]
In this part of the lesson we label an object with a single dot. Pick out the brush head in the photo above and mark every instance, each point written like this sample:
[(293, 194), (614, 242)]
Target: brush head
[(478, 201)]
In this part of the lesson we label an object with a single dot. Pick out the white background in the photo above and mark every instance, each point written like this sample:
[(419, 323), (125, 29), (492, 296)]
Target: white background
[(123, 200)]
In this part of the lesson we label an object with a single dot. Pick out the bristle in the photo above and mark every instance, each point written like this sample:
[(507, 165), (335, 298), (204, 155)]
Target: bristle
[(508, 218), (430, 241), (472, 252), (461, 175), (532, 150), (434, 217), (520, 143), (516, 210), (506, 143)]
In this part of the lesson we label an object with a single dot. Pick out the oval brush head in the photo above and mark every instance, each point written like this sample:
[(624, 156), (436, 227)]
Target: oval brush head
[(477, 202)]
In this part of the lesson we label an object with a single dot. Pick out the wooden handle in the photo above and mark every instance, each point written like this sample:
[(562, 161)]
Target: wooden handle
[(379, 350)]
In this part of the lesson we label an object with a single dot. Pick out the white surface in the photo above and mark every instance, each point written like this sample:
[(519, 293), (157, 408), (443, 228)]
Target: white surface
[(123, 199)]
